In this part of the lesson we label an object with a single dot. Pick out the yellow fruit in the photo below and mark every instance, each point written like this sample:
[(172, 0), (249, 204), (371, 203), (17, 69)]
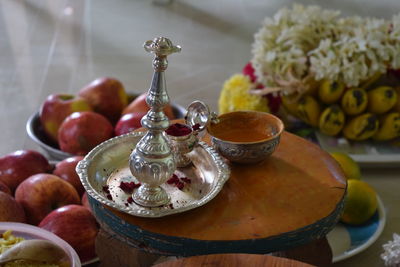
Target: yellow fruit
[(330, 92), (396, 106), (312, 85), (389, 127), (350, 168), (290, 104), (332, 120), (361, 127), (354, 101), (374, 78), (381, 99), (360, 202), (308, 110)]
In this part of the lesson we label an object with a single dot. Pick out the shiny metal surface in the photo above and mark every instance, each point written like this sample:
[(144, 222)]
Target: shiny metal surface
[(36, 134), (107, 165), (199, 114), (152, 161), (247, 152), (181, 146), (196, 118)]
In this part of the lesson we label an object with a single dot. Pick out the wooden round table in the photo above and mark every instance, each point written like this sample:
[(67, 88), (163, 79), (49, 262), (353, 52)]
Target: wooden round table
[(217, 260), (292, 198)]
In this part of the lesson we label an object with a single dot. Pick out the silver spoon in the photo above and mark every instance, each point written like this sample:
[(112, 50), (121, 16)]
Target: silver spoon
[(35, 250)]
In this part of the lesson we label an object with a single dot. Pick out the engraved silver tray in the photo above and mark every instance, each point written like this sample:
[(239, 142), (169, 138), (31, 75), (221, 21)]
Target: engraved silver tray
[(107, 165)]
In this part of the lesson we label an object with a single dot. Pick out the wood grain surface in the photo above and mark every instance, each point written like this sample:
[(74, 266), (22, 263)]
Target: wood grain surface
[(233, 260), (297, 186)]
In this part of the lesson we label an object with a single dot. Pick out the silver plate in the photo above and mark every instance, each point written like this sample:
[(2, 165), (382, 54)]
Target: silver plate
[(107, 165)]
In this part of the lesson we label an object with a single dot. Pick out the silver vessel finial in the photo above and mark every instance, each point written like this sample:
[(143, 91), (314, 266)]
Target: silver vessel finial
[(152, 161), (161, 47)]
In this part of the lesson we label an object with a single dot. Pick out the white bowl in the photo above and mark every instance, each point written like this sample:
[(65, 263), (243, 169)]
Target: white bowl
[(28, 231)]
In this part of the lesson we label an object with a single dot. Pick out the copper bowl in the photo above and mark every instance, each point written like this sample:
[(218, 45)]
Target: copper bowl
[(246, 136)]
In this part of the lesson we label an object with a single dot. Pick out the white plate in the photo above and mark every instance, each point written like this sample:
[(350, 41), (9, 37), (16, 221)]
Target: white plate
[(367, 153), (347, 241)]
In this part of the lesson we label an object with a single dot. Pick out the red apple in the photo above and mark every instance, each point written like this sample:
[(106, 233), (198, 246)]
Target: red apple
[(65, 169), (77, 226), (56, 108), (10, 210), (107, 96), (85, 201), (80, 132), (139, 105), (128, 122), (4, 188), (42, 193), (19, 165)]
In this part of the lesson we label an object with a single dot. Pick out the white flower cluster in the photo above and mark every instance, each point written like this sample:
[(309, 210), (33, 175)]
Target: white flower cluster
[(305, 42), (391, 256)]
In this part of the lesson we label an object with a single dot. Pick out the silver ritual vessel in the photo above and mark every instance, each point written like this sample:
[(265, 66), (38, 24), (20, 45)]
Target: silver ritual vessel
[(152, 161)]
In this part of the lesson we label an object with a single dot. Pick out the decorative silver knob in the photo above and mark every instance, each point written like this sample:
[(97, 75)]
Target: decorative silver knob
[(152, 161)]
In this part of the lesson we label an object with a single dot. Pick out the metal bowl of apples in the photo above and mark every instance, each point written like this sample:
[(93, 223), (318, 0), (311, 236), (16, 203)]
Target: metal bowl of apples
[(125, 123)]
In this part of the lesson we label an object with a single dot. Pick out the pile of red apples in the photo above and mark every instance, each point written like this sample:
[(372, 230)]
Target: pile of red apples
[(51, 196), (99, 111)]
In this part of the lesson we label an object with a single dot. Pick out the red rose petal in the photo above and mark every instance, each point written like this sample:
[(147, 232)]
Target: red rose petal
[(173, 180), (196, 127), (180, 185), (128, 187), (178, 129)]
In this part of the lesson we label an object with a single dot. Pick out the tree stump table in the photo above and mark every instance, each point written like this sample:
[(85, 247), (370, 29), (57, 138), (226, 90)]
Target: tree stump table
[(292, 198), (219, 260)]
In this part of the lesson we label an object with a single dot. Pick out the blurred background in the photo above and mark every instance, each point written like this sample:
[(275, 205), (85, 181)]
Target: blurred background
[(59, 46)]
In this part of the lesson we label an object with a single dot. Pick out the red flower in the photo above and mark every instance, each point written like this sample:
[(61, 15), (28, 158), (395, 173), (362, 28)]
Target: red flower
[(274, 102), (248, 70)]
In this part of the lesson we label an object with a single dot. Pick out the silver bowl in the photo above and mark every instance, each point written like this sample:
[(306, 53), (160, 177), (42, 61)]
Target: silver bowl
[(246, 136), (36, 133)]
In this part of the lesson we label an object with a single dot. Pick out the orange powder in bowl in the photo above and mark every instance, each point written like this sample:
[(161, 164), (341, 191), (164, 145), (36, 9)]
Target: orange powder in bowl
[(245, 127)]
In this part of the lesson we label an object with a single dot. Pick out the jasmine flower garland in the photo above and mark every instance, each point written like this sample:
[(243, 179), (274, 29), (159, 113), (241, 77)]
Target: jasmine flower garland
[(309, 43)]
